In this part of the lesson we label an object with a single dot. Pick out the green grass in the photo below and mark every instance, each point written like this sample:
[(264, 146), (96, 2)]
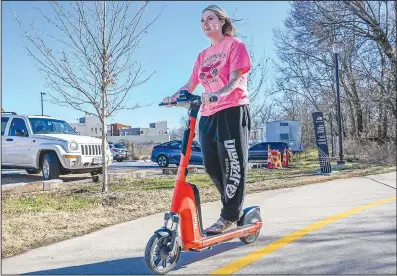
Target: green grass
[(166, 182), (80, 208), (131, 184), (304, 166), (46, 203)]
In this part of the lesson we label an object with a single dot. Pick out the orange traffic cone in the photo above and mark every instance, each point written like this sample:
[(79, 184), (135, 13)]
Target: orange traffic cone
[(269, 158), (278, 160), (285, 158), (274, 154)]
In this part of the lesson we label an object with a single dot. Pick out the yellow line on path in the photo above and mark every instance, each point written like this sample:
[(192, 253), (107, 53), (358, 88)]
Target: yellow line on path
[(256, 255)]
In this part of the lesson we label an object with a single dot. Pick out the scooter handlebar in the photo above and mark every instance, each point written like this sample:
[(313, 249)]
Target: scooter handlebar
[(184, 100)]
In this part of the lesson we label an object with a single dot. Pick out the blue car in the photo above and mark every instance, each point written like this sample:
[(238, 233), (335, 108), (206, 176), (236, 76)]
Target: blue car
[(170, 153)]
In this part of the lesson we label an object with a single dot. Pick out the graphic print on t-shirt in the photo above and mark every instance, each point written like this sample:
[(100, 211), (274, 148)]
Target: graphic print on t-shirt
[(212, 70), (209, 68)]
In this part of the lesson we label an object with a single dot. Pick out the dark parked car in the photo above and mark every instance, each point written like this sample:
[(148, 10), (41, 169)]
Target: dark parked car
[(119, 152), (170, 153), (259, 151)]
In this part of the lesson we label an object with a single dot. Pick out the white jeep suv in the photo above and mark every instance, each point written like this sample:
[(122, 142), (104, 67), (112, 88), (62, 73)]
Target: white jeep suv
[(50, 145)]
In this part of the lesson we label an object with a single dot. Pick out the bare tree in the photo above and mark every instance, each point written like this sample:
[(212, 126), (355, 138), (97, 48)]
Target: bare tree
[(306, 69), (259, 88), (177, 133), (89, 62), (362, 21)]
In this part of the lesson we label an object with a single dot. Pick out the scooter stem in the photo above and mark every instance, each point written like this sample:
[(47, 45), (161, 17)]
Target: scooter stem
[(184, 201), (187, 141)]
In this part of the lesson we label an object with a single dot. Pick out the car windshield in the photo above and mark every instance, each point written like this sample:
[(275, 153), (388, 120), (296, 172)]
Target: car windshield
[(53, 126), (119, 146)]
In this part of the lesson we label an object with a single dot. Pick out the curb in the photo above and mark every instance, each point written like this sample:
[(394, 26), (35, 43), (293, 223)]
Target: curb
[(121, 175), (37, 186), (45, 185)]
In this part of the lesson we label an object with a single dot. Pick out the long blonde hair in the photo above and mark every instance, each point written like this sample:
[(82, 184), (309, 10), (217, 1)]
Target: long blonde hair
[(227, 28)]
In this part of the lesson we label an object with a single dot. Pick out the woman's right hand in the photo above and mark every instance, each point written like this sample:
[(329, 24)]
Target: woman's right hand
[(173, 98), (167, 100)]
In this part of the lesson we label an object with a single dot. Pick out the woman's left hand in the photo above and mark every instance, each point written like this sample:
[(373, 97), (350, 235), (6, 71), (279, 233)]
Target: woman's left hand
[(205, 98)]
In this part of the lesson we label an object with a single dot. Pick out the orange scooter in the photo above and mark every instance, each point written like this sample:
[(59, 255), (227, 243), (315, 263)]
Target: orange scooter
[(183, 227)]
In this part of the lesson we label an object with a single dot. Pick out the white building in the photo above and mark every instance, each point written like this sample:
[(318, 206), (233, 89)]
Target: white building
[(154, 129), (88, 126), (284, 131), (157, 132)]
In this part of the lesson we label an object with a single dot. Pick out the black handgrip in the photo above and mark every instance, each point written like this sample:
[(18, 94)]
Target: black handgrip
[(214, 99), (183, 94), (9, 139), (171, 103)]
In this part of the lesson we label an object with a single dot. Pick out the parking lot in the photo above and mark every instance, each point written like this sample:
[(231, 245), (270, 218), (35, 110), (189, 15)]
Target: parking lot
[(21, 176)]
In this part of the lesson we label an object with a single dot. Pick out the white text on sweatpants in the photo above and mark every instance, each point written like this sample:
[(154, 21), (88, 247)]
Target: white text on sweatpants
[(234, 164)]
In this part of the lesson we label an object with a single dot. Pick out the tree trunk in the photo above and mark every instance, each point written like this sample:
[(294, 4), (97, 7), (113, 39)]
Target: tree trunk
[(344, 127), (381, 110), (359, 116), (393, 103), (104, 166), (384, 127), (104, 102), (356, 112), (350, 112), (357, 106)]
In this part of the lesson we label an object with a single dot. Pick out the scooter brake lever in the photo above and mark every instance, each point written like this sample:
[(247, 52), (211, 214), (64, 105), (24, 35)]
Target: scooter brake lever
[(214, 99)]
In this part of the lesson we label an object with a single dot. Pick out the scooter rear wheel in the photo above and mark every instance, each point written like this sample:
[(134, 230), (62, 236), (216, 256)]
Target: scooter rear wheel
[(250, 238), (157, 254), (251, 215)]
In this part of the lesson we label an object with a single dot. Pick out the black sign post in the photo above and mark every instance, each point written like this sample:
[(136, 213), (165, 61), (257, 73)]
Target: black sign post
[(321, 142)]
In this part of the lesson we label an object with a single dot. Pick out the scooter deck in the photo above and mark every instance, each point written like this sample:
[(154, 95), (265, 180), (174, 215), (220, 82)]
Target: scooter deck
[(239, 231), (232, 230)]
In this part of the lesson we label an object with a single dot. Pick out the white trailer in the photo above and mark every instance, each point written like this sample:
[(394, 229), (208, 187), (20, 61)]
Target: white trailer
[(288, 131)]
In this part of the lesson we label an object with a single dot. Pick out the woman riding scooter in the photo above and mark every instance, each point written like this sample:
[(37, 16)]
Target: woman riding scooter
[(224, 126)]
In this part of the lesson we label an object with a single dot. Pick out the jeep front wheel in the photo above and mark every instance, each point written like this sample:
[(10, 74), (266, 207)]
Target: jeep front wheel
[(33, 171), (96, 172), (50, 166)]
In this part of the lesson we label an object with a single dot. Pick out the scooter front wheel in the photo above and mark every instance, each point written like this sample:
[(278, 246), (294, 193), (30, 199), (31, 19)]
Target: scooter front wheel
[(158, 256)]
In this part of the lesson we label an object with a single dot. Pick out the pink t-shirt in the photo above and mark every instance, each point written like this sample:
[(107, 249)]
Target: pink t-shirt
[(213, 67)]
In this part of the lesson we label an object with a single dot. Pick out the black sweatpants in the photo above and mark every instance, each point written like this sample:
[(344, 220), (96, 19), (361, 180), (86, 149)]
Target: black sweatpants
[(224, 141)]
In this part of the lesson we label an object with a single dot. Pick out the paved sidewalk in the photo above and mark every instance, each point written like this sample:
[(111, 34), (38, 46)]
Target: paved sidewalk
[(119, 249)]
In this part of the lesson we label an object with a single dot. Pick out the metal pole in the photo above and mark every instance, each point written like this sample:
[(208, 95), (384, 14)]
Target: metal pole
[(340, 161), (332, 135), (42, 113)]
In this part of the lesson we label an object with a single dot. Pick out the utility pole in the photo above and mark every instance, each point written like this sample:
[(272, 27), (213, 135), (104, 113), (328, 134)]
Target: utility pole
[(332, 135), (42, 93), (336, 49)]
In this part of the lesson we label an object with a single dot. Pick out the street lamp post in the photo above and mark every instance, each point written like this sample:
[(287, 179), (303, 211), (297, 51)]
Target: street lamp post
[(42, 93), (332, 135), (336, 48)]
